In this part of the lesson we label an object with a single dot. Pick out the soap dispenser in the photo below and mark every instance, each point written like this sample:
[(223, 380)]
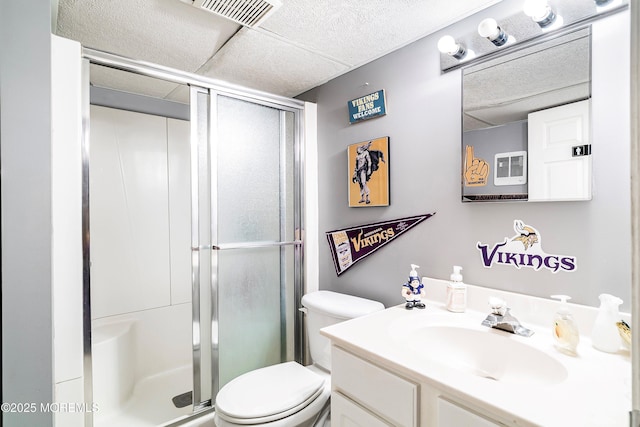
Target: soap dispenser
[(565, 329), (413, 290), (605, 335), (456, 292)]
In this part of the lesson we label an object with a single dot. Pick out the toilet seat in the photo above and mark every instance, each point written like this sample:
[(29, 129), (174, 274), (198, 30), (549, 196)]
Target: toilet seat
[(268, 394)]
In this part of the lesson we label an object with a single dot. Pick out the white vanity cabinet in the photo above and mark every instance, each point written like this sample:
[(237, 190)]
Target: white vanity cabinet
[(367, 395), (436, 368), (364, 394)]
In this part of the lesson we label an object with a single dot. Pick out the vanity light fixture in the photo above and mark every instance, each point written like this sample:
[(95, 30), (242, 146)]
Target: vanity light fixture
[(541, 13), (450, 46), (490, 29)]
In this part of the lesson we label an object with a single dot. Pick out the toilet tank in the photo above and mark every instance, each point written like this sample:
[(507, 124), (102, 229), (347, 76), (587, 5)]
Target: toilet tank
[(326, 308)]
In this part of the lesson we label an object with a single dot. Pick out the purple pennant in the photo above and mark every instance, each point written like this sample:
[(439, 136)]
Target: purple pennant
[(350, 245)]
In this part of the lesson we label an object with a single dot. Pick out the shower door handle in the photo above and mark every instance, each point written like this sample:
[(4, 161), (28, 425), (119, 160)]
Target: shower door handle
[(205, 247), (253, 245)]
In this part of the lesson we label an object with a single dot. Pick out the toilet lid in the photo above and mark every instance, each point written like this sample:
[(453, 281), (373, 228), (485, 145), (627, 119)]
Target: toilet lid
[(269, 393)]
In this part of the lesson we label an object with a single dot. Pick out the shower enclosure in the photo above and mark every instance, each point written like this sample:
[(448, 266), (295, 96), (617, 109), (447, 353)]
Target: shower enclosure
[(193, 249)]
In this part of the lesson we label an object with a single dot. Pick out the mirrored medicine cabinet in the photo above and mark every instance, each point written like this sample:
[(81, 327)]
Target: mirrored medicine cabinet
[(526, 123)]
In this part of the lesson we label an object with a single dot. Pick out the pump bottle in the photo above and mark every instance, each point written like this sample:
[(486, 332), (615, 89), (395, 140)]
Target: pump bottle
[(456, 292), (605, 335), (564, 327)]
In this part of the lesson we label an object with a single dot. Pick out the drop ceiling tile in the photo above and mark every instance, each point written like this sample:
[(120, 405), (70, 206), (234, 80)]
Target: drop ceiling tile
[(166, 32), (258, 60), (357, 32), (303, 44)]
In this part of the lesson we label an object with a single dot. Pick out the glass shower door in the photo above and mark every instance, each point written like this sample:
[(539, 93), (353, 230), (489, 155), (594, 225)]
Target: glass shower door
[(256, 231), (248, 262)]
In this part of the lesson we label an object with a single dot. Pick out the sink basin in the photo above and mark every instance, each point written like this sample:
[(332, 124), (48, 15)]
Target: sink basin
[(488, 354)]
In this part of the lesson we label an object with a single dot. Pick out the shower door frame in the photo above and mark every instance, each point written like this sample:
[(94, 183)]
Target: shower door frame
[(213, 88)]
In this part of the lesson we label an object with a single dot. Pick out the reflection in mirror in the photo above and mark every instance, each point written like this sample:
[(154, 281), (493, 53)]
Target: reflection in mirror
[(525, 119)]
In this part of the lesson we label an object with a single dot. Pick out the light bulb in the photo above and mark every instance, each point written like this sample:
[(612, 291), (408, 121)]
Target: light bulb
[(540, 12), (535, 8), (490, 29), (448, 45)]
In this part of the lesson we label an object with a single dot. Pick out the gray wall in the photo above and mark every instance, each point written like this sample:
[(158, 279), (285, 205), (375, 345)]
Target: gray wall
[(25, 142), (424, 126)]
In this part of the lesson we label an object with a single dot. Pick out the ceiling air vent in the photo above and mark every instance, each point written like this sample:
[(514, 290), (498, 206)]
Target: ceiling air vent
[(250, 13)]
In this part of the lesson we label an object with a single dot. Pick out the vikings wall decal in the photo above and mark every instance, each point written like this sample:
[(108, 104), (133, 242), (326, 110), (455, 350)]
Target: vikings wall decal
[(524, 249)]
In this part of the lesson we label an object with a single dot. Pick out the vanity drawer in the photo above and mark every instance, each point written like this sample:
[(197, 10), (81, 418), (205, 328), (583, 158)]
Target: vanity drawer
[(344, 412), (390, 396), (451, 414)]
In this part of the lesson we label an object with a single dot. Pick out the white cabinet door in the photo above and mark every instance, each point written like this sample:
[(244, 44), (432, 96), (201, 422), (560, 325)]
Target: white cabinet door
[(560, 153), (345, 413), (391, 397), (450, 414)]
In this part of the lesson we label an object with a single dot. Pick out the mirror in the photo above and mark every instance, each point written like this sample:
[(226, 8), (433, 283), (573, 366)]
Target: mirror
[(526, 123)]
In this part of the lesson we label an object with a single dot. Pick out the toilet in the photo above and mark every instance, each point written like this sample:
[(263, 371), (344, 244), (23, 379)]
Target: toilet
[(289, 394)]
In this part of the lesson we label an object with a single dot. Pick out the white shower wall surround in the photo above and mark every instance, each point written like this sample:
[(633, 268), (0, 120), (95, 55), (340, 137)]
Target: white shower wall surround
[(141, 289), (138, 163)]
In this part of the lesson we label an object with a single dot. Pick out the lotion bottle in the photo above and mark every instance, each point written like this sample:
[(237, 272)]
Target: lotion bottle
[(456, 292), (564, 327), (605, 335)]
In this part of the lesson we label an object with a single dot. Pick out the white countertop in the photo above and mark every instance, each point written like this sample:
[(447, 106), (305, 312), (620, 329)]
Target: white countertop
[(595, 392)]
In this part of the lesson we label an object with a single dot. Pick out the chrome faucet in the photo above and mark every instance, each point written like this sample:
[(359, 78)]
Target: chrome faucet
[(501, 318)]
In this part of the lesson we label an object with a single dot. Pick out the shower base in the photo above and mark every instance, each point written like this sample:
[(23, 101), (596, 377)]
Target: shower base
[(150, 404)]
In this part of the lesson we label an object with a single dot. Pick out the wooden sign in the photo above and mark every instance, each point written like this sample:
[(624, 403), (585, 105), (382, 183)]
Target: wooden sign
[(367, 107)]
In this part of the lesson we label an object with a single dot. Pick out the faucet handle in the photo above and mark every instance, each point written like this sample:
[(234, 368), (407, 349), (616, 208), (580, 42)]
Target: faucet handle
[(498, 306)]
